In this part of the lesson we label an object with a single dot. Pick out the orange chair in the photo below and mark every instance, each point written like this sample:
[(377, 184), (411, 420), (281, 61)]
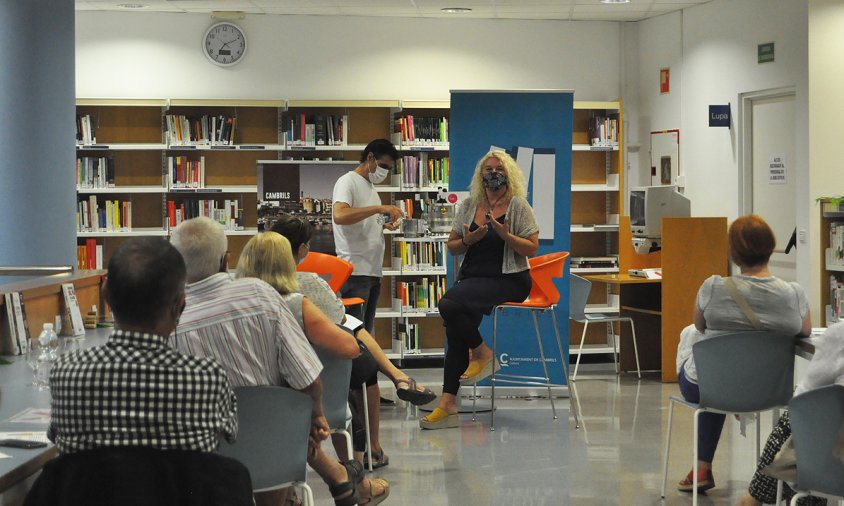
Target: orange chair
[(543, 297), (337, 269)]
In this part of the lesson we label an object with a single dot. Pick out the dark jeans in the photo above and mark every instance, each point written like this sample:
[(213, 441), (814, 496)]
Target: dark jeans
[(367, 288), (709, 424), (461, 331)]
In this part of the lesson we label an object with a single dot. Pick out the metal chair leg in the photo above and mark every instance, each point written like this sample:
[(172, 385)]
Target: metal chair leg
[(615, 347), (694, 455), (573, 400), (635, 349), (544, 363), (580, 350), (366, 425), (667, 447), (494, 357)]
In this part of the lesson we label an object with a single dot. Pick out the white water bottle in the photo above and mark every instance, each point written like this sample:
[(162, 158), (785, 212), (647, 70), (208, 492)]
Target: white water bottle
[(47, 341)]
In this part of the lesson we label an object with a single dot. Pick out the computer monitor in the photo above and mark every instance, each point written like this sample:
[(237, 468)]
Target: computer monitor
[(650, 204)]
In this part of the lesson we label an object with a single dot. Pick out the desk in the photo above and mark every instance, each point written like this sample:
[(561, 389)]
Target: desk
[(17, 395), (641, 300)]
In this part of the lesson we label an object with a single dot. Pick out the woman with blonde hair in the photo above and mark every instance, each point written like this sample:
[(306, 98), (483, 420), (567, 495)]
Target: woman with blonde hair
[(496, 230)]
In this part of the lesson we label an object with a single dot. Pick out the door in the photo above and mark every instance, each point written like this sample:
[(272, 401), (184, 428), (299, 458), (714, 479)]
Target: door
[(773, 188)]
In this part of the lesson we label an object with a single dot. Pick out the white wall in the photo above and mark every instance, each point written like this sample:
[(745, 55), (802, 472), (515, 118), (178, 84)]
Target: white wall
[(826, 78), (711, 49), (132, 55)]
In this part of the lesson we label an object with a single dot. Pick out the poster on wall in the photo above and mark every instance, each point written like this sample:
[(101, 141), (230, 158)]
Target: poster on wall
[(665, 158), (301, 188)]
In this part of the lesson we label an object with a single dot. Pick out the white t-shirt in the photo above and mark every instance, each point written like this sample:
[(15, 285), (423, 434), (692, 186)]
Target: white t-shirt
[(361, 243)]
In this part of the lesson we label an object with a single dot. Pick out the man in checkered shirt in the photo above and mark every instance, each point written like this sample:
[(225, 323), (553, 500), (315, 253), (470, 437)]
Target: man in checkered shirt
[(136, 390)]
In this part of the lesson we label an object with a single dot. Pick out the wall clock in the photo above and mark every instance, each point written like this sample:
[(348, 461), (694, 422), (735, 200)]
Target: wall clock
[(224, 44)]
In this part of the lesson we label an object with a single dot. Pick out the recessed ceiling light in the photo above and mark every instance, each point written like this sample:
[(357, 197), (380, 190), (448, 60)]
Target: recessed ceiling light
[(133, 6), (456, 10), (615, 1)]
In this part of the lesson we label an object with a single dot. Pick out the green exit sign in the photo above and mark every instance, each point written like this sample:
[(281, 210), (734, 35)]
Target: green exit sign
[(765, 52)]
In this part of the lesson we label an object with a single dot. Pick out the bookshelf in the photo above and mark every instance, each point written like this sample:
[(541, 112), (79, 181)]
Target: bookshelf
[(596, 203), (832, 249)]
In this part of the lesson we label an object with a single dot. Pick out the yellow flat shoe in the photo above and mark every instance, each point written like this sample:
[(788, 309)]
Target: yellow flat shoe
[(439, 419), (478, 371)]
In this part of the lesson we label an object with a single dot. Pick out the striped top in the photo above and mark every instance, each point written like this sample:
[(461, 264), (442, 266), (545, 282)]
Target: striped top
[(136, 391), (248, 328)]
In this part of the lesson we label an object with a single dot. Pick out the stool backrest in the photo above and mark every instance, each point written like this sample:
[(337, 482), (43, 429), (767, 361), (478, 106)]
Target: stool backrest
[(579, 289), (543, 270), (817, 419), (272, 436), (336, 268), (745, 371), (335, 376)]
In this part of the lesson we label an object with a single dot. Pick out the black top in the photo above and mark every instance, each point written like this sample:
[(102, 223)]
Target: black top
[(484, 258)]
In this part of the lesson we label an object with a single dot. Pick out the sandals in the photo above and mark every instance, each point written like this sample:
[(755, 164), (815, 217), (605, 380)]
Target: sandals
[(379, 459), (439, 419), (354, 470), (377, 499), (478, 371), (705, 481), (412, 394)]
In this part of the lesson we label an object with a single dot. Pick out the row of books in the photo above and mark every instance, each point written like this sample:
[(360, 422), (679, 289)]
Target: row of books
[(95, 172), (111, 216), (420, 171), (85, 130), (226, 212), (181, 130), (422, 295), (408, 336), (420, 256), (603, 131), (836, 300), (303, 130), (836, 244), (607, 262), (426, 131), (89, 255), (183, 172)]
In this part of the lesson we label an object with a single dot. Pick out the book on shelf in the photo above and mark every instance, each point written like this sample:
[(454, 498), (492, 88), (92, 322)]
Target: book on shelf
[(835, 311), (303, 130), (228, 213), (181, 130), (95, 172), (420, 256), (408, 336), (72, 323), (21, 322), (14, 330), (90, 255), (112, 216), (603, 131), (84, 130), (422, 295), (409, 130), (183, 172), (835, 253), (422, 170)]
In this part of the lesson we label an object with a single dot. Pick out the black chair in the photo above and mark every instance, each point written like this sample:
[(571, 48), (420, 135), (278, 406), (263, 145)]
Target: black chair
[(139, 476)]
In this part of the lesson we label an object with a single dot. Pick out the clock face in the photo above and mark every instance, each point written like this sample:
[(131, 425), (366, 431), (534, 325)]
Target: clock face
[(224, 44)]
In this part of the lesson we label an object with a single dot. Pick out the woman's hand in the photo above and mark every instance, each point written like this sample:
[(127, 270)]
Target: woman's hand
[(502, 229), (471, 237)]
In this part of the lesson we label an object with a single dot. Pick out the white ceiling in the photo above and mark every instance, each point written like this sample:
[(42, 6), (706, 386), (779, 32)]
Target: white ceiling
[(577, 10)]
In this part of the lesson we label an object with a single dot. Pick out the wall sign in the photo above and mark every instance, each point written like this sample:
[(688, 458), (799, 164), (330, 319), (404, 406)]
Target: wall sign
[(776, 170), (664, 81), (719, 115), (765, 52)]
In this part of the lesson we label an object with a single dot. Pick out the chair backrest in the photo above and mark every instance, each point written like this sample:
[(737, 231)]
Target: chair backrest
[(579, 289), (745, 371), (337, 269), (543, 270), (817, 419), (135, 476), (335, 387), (272, 436)]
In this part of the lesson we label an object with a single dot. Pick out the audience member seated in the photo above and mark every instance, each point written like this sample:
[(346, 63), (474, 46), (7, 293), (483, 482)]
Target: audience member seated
[(770, 304), (136, 390), (250, 330), (299, 233), (826, 368)]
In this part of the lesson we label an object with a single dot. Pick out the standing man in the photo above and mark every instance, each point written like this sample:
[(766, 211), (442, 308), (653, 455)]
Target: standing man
[(359, 219)]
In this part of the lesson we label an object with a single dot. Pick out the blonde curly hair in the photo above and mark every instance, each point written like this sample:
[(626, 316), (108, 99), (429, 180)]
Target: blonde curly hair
[(516, 185)]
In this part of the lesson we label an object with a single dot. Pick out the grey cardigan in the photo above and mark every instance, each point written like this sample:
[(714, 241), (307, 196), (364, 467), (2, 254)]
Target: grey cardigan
[(522, 223)]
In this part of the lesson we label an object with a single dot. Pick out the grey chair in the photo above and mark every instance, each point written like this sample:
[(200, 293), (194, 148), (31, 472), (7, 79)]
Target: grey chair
[(817, 418), (335, 376), (578, 295), (272, 438), (740, 373)]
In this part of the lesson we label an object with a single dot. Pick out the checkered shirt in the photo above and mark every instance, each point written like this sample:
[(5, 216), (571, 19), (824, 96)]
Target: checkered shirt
[(137, 391)]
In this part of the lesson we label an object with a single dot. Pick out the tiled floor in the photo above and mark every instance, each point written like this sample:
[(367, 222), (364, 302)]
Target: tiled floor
[(614, 458)]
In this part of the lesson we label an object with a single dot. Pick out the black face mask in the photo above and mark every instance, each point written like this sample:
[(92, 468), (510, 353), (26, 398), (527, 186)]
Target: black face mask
[(495, 180)]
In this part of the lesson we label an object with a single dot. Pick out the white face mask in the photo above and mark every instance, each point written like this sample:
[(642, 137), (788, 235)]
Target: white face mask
[(379, 175)]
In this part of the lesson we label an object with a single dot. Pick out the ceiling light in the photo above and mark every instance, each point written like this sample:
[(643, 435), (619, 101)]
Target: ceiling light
[(228, 14), (133, 6), (456, 10), (615, 1)]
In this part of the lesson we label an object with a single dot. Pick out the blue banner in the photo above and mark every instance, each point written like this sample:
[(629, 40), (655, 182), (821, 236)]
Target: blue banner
[(535, 127)]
